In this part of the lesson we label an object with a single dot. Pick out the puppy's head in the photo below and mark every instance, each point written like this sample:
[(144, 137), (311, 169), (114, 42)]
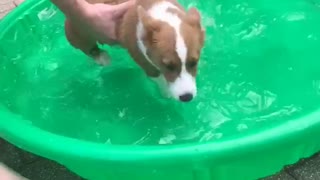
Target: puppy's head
[(174, 39)]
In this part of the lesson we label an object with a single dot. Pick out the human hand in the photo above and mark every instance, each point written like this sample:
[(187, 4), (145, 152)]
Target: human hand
[(96, 24)]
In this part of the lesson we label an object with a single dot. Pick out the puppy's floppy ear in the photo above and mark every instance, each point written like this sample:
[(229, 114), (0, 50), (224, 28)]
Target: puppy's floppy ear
[(150, 24), (202, 36), (193, 17)]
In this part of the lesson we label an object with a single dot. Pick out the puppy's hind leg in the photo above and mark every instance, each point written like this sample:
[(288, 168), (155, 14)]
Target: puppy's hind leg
[(87, 46)]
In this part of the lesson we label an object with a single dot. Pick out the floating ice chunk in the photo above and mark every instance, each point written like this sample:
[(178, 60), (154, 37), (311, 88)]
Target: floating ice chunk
[(217, 118), (242, 127), (283, 112), (47, 13), (256, 30), (312, 37), (218, 9), (167, 139), (209, 22), (98, 135), (108, 141), (209, 136), (51, 66), (122, 113), (254, 102), (296, 16), (316, 86)]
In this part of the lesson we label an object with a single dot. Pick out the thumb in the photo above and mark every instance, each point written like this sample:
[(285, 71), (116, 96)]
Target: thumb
[(120, 9)]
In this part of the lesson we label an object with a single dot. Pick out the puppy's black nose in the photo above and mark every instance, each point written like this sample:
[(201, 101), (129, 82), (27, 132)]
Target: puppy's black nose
[(186, 97)]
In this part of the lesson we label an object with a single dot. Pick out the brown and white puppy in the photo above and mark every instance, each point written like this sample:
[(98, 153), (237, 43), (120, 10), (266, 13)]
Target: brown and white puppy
[(165, 41)]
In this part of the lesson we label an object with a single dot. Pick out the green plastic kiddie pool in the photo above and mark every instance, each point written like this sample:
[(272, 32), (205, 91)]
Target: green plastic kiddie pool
[(257, 108)]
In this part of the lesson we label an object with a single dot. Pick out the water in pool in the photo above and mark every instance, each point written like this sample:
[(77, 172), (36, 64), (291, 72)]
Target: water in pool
[(255, 73)]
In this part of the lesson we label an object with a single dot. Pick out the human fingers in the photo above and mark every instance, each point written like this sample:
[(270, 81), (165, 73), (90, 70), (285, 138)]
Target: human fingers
[(119, 9)]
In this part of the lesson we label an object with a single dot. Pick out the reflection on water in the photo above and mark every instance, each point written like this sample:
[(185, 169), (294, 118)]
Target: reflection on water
[(249, 80)]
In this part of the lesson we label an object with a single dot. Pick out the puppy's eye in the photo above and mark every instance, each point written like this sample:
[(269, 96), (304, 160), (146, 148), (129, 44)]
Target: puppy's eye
[(192, 64), (171, 67)]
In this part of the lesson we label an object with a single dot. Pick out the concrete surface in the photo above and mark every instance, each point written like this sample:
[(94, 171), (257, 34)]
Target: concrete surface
[(37, 168), (5, 7)]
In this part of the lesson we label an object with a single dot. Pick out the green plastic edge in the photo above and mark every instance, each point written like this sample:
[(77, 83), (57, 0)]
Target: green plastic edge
[(301, 130)]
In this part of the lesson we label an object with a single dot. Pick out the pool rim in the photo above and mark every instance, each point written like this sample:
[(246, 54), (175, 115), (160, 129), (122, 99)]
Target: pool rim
[(11, 126)]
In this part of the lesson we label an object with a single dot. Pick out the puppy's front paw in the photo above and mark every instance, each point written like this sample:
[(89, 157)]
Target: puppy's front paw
[(161, 82), (102, 59), (165, 93)]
